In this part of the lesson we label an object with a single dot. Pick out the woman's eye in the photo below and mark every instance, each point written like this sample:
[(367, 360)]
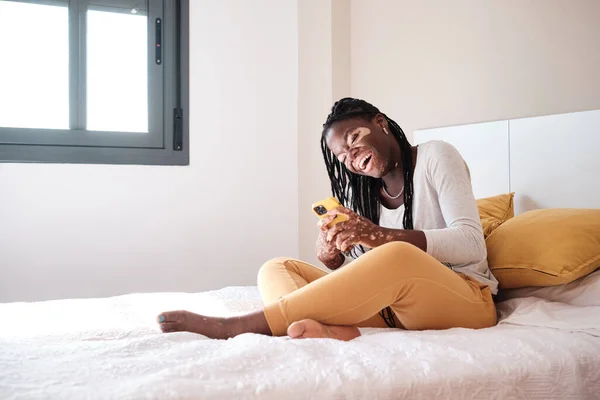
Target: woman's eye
[(353, 138)]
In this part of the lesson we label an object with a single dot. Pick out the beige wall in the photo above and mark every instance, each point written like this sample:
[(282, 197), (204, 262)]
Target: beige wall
[(101, 230), (436, 63)]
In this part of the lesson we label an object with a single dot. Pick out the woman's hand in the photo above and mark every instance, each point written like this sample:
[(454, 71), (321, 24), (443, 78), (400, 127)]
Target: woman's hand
[(357, 230), (327, 252)]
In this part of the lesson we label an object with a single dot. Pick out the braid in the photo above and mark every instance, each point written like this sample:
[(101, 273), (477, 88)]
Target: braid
[(361, 193), (407, 169)]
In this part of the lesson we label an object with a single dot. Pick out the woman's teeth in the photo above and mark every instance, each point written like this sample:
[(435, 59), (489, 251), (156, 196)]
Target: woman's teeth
[(363, 163)]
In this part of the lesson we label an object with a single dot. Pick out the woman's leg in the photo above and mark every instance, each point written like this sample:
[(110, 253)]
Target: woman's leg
[(281, 276), (276, 278), (423, 293)]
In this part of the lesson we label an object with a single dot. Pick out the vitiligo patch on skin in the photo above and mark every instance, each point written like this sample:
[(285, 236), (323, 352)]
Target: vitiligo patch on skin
[(353, 139), (327, 252), (361, 132), (377, 164), (357, 230)]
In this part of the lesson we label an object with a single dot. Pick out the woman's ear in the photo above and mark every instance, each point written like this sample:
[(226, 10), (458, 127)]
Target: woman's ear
[(381, 121)]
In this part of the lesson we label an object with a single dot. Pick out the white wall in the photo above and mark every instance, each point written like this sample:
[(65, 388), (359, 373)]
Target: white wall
[(97, 230), (323, 77), (264, 75), (315, 82), (435, 63)]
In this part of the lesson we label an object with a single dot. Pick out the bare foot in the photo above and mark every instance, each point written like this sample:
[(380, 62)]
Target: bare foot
[(213, 327), (177, 321), (309, 328)]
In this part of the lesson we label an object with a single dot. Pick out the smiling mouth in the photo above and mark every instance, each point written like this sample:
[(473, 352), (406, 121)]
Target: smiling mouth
[(364, 162)]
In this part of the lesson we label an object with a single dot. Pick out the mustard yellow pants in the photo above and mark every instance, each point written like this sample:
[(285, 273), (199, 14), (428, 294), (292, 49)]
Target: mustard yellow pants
[(422, 292)]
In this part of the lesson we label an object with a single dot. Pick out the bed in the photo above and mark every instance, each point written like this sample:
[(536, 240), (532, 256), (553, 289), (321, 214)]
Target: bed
[(111, 349), (544, 347)]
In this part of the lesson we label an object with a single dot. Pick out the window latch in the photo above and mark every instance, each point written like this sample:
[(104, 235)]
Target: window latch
[(177, 129), (158, 44)]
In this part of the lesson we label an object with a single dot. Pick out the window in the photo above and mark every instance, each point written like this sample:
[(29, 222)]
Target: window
[(94, 81)]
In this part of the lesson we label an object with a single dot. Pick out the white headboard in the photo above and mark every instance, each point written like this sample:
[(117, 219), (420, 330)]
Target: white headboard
[(550, 161)]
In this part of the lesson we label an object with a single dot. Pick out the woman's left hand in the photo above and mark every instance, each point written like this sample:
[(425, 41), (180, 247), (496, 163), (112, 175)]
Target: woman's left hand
[(357, 230)]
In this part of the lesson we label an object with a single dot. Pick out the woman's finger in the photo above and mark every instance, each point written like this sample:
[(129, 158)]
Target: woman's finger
[(348, 243), (323, 223), (340, 238), (344, 240), (341, 210), (335, 230)]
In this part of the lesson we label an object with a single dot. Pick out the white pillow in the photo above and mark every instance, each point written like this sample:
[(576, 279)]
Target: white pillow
[(581, 292)]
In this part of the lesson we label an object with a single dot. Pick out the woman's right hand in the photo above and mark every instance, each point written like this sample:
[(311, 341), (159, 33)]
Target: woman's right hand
[(327, 252)]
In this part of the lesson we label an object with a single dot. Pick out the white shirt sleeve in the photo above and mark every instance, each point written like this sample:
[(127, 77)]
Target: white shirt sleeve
[(461, 242)]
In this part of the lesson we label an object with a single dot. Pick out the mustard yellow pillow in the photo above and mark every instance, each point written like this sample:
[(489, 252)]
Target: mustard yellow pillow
[(545, 247), (494, 211)]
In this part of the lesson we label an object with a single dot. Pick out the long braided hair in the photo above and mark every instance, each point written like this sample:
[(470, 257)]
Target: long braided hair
[(358, 192)]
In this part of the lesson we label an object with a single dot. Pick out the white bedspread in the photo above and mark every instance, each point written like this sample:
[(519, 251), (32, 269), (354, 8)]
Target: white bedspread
[(111, 349)]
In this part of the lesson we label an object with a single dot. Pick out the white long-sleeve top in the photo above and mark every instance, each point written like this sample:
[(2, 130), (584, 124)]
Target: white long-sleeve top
[(444, 208)]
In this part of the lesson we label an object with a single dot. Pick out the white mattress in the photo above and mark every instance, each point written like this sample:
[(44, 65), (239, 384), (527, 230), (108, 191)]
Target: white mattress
[(111, 349)]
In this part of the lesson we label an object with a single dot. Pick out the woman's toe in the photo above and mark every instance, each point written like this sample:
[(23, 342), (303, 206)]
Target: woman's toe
[(168, 327), (307, 328), (296, 329)]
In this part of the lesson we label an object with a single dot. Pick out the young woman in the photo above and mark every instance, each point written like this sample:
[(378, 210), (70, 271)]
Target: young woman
[(413, 231)]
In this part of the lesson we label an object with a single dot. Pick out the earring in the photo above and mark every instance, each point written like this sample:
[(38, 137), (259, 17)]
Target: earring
[(386, 131)]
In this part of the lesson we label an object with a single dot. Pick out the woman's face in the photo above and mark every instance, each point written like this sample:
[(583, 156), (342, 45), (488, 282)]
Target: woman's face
[(362, 146)]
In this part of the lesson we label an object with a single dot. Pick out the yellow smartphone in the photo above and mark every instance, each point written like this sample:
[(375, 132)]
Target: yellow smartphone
[(321, 208)]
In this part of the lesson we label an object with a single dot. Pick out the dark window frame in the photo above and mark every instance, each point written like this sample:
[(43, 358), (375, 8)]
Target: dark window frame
[(166, 143)]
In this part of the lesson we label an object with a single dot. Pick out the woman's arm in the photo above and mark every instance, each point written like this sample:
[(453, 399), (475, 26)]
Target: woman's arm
[(327, 252), (358, 230), (461, 242), (416, 238)]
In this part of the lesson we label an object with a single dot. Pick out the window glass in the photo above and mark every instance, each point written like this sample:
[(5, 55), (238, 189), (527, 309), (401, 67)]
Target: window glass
[(34, 72), (117, 70)]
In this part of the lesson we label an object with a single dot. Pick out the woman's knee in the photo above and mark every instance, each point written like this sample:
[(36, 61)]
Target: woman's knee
[(271, 267), (400, 249), (400, 258)]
